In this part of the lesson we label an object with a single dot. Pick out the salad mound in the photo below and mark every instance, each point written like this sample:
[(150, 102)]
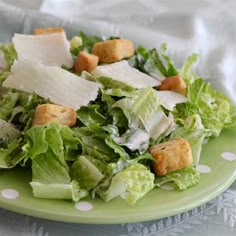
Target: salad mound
[(101, 118)]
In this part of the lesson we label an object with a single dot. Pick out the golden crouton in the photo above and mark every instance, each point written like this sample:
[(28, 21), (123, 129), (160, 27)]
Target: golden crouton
[(85, 61), (46, 113), (173, 83), (171, 155), (48, 30), (113, 50)]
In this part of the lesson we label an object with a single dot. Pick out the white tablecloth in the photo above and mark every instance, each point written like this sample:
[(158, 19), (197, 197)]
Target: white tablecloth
[(205, 27)]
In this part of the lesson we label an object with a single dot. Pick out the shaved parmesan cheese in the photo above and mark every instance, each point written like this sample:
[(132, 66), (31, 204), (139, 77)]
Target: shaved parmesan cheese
[(123, 72), (52, 82), (169, 99), (48, 49)]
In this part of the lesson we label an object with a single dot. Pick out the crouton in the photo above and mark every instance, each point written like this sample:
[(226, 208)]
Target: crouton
[(113, 50), (48, 30), (171, 155), (46, 113), (173, 83), (85, 61)]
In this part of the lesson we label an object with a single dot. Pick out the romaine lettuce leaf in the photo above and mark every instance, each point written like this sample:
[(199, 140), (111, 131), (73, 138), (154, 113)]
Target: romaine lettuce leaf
[(97, 143), (186, 70), (9, 53), (134, 138), (18, 107), (8, 131), (91, 114), (158, 65), (7, 103), (215, 109), (58, 191), (144, 111), (84, 43), (11, 153), (193, 131), (131, 184), (86, 173), (115, 88), (48, 147), (180, 179)]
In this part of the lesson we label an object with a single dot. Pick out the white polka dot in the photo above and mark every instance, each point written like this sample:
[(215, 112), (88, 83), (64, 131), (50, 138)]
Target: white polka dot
[(10, 193), (167, 187), (203, 169), (228, 156), (84, 206)]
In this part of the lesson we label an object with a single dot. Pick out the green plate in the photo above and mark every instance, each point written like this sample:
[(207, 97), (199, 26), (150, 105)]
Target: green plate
[(218, 157)]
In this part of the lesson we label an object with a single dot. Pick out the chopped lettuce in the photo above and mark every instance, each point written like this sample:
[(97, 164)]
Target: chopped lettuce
[(134, 139), (91, 114), (180, 179), (48, 149), (12, 150), (193, 131), (97, 143), (86, 173), (215, 109), (130, 184), (7, 103), (7, 57), (151, 62), (11, 153), (59, 191), (144, 111), (115, 88), (83, 42), (8, 131), (186, 70), (9, 53)]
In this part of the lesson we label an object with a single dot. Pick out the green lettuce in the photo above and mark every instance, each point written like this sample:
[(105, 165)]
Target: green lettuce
[(186, 70), (134, 138), (83, 43), (144, 111), (193, 131), (11, 145), (214, 108), (180, 179), (97, 143), (158, 65), (48, 147), (115, 88), (7, 103), (11, 153), (131, 184), (9, 53), (58, 191), (86, 173), (18, 107), (91, 114)]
